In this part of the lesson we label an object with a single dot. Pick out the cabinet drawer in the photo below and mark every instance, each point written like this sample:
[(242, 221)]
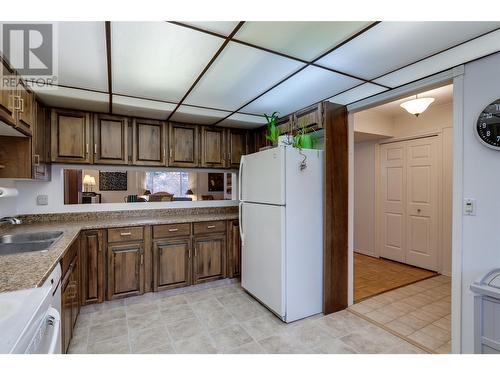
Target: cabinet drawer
[(171, 230), (209, 227), (125, 234)]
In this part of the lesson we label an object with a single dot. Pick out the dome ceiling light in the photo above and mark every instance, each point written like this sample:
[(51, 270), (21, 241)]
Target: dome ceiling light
[(418, 105)]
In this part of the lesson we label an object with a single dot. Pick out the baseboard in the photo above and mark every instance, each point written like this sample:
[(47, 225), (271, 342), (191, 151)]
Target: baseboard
[(362, 252)]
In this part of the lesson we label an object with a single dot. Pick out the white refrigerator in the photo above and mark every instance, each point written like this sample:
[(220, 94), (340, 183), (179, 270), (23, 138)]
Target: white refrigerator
[(281, 227)]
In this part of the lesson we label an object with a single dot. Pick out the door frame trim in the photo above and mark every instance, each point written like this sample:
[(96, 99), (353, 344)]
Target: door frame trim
[(455, 76)]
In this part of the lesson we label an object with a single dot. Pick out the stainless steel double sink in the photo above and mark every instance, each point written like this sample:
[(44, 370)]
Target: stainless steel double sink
[(28, 242)]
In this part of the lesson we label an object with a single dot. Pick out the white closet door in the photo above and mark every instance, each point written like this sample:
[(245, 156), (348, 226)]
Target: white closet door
[(422, 203), (393, 190)]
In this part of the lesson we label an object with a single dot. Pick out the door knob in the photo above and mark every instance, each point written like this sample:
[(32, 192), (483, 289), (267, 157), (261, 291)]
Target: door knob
[(418, 210)]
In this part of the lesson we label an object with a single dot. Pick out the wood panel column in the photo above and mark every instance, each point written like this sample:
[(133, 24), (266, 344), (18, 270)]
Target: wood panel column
[(336, 208)]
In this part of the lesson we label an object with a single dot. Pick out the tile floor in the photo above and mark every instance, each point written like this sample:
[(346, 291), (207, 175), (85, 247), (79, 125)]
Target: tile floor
[(420, 312), (373, 276), (221, 318)]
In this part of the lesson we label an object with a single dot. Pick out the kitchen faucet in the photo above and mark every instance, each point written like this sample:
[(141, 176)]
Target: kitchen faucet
[(10, 220)]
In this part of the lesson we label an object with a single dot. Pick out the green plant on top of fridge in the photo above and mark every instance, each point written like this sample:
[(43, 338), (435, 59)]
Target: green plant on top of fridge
[(272, 128)]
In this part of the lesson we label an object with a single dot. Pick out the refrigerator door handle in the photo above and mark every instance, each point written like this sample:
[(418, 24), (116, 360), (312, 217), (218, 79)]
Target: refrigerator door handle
[(240, 216), (240, 175)]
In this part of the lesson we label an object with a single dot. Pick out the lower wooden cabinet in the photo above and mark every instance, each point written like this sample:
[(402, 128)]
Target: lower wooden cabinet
[(125, 270), (209, 260), (171, 263), (92, 266), (70, 295), (233, 249)]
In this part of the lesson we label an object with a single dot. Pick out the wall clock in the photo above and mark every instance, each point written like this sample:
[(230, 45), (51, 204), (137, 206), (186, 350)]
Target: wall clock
[(488, 126)]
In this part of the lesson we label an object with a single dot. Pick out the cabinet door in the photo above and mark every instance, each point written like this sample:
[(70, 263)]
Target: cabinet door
[(172, 263), (110, 139), (310, 116), (209, 258), (237, 144), (75, 292), (234, 249), (7, 96), (149, 144), (66, 309), (25, 113), (183, 145), (212, 147), (125, 270), (41, 167), (92, 266), (70, 135)]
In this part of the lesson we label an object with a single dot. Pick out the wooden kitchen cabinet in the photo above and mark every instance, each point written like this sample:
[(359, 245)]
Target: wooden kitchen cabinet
[(92, 266), (149, 142), (209, 260), (237, 146), (70, 136), (308, 117), (172, 263), (213, 147), (25, 113), (125, 276), (110, 139), (70, 294), (183, 145), (233, 249), (40, 142), (7, 96)]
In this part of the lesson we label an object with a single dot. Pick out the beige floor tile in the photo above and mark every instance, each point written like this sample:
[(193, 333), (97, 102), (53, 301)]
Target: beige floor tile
[(78, 345), (234, 299), (141, 322), (185, 329), (115, 345), (310, 334), (283, 344), (246, 311), (139, 309), (170, 301), (334, 346), (230, 337), (426, 340), (250, 348), (361, 308), (264, 326), (201, 344), (109, 330), (226, 290), (342, 323), (141, 341), (404, 348), (417, 300), (400, 328), (164, 349), (361, 343), (391, 311), (443, 323), (209, 304), (379, 317), (107, 315), (402, 306), (177, 313), (198, 296), (436, 332), (215, 319), (426, 316), (444, 349), (412, 322)]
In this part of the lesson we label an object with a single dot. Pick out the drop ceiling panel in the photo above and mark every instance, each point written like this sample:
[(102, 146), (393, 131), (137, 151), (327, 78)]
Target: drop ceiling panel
[(127, 106), (239, 74), (197, 115), (158, 60), (391, 45), (73, 98), (357, 93), (304, 40), (307, 87), (244, 121), (479, 47), (219, 27), (81, 48)]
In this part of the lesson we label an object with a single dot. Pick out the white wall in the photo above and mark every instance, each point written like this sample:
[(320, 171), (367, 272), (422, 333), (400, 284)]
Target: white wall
[(481, 180), (364, 197), (8, 206)]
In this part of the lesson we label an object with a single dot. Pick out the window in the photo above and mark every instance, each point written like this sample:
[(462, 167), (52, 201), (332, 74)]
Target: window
[(175, 183)]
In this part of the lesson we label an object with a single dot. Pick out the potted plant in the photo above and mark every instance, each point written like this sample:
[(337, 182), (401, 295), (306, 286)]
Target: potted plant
[(303, 139), (273, 131)]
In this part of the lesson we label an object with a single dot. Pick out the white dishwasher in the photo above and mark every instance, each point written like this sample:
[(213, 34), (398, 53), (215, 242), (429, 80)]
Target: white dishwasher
[(30, 319)]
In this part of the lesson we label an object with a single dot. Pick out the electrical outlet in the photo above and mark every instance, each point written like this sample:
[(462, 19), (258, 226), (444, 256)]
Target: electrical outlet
[(469, 207), (42, 200)]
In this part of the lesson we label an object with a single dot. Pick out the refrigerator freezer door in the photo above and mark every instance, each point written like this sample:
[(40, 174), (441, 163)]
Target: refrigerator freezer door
[(262, 177), (263, 252)]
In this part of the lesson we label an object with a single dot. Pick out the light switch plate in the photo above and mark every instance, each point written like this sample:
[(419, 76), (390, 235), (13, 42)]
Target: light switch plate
[(42, 200), (469, 207)]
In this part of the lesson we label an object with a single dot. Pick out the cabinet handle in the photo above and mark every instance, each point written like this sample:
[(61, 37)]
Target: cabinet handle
[(189, 253), (195, 252), (125, 234), (21, 100), (87, 148), (36, 160), (142, 258), (170, 153), (173, 229), (95, 148), (17, 103), (210, 226)]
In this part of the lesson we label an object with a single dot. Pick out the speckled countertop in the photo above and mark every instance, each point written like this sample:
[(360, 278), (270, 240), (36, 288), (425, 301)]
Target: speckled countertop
[(27, 270)]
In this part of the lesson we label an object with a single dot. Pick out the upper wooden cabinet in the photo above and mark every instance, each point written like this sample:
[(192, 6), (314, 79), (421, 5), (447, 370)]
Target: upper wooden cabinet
[(149, 142), (237, 145), (41, 144), (183, 145), (25, 114), (310, 116), (213, 150), (7, 98), (110, 139), (71, 136)]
